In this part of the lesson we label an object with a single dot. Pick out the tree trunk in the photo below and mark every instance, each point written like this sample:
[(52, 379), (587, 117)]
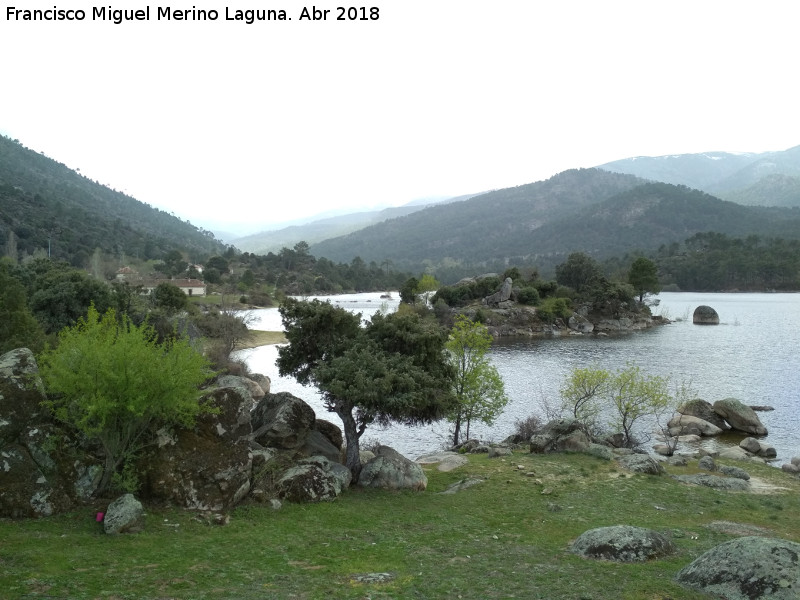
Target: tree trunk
[(352, 453), (457, 434)]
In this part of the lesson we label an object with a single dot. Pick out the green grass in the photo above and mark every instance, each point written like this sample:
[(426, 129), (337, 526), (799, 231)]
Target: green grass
[(500, 539)]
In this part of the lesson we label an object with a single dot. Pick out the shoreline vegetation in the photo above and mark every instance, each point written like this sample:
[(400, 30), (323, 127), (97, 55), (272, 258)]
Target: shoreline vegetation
[(259, 337)]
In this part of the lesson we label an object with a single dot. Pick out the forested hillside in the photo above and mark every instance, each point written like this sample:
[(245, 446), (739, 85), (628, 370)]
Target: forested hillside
[(47, 205), (539, 224), (482, 231)]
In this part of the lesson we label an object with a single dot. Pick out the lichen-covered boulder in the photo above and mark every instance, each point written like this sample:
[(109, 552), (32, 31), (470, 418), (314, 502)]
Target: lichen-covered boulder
[(230, 420), (390, 470), (21, 394), (622, 543), (314, 479), (317, 444), (731, 484), (705, 315), (196, 471), (747, 568), (739, 416), (282, 421), (253, 389), (563, 435), (330, 431), (124, 515), (641, 463)]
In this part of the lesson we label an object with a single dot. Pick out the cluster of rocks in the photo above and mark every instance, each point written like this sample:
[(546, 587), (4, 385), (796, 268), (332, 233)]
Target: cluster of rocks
[(257, 445), (698, 418), (747, 568)]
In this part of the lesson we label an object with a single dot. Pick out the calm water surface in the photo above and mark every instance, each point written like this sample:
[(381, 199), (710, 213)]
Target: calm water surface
[(752, 355)]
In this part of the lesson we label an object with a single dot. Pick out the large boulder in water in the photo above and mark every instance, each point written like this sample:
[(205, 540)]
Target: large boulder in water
[(705, 315), (703, 410), (748, 568), (622, 543), (740, 416)]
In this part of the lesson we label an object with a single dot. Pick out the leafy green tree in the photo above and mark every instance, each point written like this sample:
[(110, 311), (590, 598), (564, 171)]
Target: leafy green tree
[(18, 327), (394, 369), (477, 386), (634, 395), (581, 392), (408, 291), (643, 276), (116, 384), (578, 271), (61, 295), (427, 284), (169, 297)]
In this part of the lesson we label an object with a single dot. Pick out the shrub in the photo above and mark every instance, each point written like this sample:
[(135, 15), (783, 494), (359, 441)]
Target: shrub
[(528, 295)]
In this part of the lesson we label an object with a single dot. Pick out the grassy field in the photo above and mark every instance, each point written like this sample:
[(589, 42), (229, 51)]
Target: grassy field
[(507, 537), (258, 337)]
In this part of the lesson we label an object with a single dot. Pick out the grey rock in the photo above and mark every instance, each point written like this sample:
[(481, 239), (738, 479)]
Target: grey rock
[(734, 472), (253, 389), (790, 468), (600, 451), (461, 485), (559, 436), (231, 421), (712, 481), (330, 431), (688, 425), (705, 315), (497, 451), (758, 448), (314, 480), (739, 416), (707, 463), (317, 444), (445, 461), (747, 568), (392, 471), (622, 543), (124, 515), (703, 410), (282, 421), (641, 463)]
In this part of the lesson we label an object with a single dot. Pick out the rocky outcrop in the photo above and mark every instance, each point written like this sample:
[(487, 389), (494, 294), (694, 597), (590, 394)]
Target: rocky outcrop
[(282, 421), (703, 410), (314, 480), (713, 481), (739, 416), (563, 435), (747, 568), (641, 463), (792, 467), (758, 448), (622, 543), (501, 296), (390, 470), (124, 515), (705, 315), (682, 424), (38, 477)]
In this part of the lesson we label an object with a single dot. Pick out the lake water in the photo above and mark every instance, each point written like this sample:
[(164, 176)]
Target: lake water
[(751, 355)]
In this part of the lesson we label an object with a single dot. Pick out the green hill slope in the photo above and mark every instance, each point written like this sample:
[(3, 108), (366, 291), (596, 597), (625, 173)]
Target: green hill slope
[(44, 203)]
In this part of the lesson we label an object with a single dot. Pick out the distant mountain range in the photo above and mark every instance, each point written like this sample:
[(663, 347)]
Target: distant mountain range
[(592, 210), (763, 179), (317, 230)]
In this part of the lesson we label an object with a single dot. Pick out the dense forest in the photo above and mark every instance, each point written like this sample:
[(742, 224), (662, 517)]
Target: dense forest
[(48, 208)]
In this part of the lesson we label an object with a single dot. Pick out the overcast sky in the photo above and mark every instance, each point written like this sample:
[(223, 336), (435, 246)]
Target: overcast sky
[(221, 121)]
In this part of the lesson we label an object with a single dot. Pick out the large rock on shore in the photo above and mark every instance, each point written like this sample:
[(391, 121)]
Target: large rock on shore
[(282, 421), (748, 568), (390, 470), (622, 543), (682, 424), (740, 416), (563, 435)]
